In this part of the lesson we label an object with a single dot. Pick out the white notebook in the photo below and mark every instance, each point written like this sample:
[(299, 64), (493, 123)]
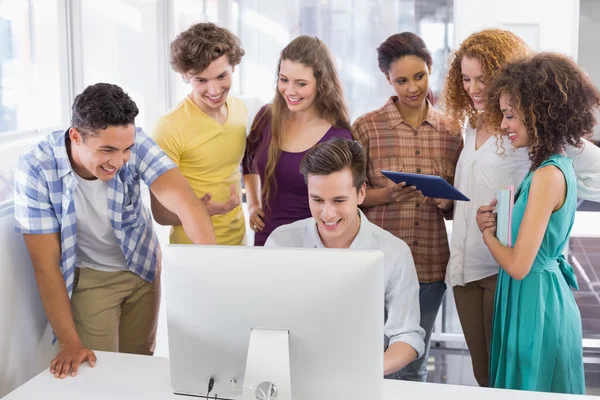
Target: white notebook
[(504, 207)]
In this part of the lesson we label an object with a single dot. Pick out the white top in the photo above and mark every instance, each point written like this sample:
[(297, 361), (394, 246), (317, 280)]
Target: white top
[(479, 173), (586, 162), (401, 284), (120, 376), (97, 245)]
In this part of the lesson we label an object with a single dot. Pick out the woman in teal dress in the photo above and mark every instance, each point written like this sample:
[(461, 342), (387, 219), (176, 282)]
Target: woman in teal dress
[(542, 103)]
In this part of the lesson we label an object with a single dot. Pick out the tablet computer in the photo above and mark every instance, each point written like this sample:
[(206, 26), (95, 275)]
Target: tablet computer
[(430, 185)]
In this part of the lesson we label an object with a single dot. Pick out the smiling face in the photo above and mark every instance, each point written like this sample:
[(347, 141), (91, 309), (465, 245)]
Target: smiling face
[(102, 154), (297, 85), (334, 202), (211, 86), (473, 81), (512, 124), (409, 76)]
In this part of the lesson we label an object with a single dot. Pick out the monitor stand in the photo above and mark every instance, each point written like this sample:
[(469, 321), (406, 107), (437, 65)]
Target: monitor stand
[(267, 375)]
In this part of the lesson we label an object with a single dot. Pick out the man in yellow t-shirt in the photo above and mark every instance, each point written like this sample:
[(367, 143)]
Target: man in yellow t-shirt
[(205, 134)]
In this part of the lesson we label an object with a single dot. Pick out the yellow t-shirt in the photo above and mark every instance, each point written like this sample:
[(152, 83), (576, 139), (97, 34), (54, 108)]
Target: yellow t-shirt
[(209, 156)]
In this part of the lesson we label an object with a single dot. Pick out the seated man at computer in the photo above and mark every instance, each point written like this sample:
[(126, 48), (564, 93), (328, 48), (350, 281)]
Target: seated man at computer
[(335, 174)]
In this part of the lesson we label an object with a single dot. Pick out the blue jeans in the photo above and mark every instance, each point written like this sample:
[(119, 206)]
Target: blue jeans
[(430, 300)]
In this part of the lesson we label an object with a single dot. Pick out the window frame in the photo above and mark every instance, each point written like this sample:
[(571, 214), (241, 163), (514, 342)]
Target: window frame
[(65, 78)]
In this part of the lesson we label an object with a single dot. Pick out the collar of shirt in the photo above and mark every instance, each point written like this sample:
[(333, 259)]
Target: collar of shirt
[(59, 143), (395, 118), (361, 241)]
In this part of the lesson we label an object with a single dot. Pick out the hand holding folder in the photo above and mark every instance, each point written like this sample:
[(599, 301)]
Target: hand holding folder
[(504, 206), (430, 185)]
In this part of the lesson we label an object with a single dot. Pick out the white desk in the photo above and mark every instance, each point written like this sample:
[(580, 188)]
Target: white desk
[(125, 376), (585, 226)]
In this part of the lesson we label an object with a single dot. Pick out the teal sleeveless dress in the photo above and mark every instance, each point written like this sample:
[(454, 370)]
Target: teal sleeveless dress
[(537, 335)]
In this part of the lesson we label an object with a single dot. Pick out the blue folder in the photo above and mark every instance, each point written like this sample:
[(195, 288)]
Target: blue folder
[(430, 185)]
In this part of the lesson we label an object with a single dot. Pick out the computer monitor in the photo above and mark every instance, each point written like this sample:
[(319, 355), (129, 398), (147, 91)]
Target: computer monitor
[(315, 317)]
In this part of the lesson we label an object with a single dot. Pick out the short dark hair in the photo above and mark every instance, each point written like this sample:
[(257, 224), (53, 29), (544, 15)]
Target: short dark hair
[(401, 45), (333, 156), (100, 106), (194, 49)]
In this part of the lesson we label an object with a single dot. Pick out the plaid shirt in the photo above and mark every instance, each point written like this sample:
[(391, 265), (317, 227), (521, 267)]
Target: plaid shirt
[(44, 186), (391, 143)]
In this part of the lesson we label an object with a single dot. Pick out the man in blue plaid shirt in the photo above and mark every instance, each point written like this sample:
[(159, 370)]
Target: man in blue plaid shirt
[(91, 239)]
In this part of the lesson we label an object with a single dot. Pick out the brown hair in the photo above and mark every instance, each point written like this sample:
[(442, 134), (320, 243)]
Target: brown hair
[(401, 45), (494, 48), (329, 102), (102, 105), (553, 97), (194, 49), (334, 155)]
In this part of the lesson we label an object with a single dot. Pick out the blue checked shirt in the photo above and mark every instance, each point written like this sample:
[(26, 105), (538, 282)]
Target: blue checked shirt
[(44, 186)]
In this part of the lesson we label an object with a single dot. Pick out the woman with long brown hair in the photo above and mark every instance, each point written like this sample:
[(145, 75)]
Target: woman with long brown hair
[(308, 108)]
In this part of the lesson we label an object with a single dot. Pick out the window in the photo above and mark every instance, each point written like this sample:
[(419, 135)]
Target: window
[(34, 71), (352, 30), (189, 12), (31, 51)]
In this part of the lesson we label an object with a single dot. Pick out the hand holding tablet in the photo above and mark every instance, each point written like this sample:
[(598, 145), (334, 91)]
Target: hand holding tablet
[(429, 185), (402, 192)]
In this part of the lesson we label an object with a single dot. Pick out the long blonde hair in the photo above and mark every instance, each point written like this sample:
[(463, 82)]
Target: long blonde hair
[(329, 102)]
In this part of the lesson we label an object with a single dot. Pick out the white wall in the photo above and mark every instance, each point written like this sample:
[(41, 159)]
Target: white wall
[(25, 336), (557, 21), (589, 32)]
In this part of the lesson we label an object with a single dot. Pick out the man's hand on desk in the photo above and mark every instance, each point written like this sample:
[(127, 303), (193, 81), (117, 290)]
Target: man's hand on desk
[(69, 358)]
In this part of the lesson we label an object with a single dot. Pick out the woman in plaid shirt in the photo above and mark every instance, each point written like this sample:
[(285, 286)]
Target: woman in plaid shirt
[(407, 134)]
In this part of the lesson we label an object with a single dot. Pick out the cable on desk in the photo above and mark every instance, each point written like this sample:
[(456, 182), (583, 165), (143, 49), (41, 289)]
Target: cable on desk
[(211, 384)]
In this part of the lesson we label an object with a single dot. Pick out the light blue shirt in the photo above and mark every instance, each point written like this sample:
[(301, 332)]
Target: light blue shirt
[(44, 186), (402, 323)]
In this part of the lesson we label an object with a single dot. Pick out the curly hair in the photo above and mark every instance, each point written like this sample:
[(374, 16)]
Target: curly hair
[(329, 102), (555, 99), (193, 50), (494, 48), (400, 45), (100, 106)]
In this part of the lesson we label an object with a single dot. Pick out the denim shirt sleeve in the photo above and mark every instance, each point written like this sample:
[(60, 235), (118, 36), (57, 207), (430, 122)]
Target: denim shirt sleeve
[(34, 212), (149, 160)]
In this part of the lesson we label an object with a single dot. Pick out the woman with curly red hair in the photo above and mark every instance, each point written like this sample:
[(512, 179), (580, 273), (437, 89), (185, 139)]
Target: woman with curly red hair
[(488, 163), (543, 104)]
